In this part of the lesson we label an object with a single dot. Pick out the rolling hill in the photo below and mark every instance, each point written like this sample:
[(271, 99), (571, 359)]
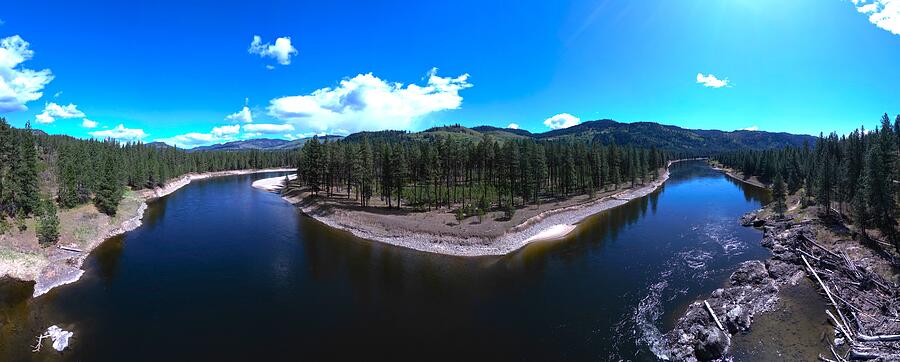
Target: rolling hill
[(642, 134), (262, 144)]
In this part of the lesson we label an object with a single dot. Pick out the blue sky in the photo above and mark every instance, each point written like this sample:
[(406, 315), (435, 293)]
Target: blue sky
[(183, 73)]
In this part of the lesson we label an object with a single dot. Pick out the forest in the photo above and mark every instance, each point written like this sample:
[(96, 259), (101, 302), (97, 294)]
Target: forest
[(854, 176), (473, 175), (40, 172)]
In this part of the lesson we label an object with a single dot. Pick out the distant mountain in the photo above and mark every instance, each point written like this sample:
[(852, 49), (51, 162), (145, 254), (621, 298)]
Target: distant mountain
[(502, 132), (649, 134), (641, 134), (262, 144), (157, 145)]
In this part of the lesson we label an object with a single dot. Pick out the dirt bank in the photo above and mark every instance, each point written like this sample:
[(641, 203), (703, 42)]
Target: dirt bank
[(81, 230)]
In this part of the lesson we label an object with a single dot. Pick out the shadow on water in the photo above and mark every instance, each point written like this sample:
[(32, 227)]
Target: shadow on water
[(222, 271)]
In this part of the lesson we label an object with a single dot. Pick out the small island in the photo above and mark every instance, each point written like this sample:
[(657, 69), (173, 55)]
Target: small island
[(462, 196)]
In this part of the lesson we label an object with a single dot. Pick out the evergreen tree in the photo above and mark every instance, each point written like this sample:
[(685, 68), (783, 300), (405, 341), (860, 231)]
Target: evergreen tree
[(26, 195), (110, 190), (48, 223), (778, 194)]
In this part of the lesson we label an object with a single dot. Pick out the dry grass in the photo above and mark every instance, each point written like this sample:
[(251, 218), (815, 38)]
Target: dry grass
[(21, 255)]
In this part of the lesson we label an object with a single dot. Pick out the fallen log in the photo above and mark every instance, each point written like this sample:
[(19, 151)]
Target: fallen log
[(713, 314), (857, 355), (827, 292), (69, 248), (835, 353), (809, 239), (881, 338), (838, 324)]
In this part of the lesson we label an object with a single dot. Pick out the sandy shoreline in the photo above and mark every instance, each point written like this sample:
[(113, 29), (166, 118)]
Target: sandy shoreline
[(65, 266), (731, 173), (549, 225)]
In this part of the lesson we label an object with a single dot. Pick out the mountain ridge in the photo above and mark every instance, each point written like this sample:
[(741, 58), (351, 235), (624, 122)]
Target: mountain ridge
[(641, 134)]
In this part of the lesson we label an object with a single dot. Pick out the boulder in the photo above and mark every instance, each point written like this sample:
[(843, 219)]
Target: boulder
[(711, 342), (750, 272)]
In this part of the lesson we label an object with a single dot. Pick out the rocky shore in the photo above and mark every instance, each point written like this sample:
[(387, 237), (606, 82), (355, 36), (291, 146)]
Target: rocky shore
[(64, 264), (857, 280)]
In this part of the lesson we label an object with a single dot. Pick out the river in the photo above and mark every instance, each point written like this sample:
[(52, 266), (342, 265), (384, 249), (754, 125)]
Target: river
[(222, 271)]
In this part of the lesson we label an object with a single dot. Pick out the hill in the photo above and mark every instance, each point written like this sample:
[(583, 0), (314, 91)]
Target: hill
[(673, 138), (262, 144), (639, 134)]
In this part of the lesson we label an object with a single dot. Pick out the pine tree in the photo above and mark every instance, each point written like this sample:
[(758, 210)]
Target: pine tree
[(8, 147), (48, 223), (110, 190), (26, 196), (778, 194)]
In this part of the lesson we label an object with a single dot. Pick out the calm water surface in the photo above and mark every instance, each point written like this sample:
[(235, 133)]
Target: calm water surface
[(221, 271)]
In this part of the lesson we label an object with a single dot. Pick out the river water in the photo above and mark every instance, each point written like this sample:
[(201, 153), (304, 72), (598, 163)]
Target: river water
[(222, 271)]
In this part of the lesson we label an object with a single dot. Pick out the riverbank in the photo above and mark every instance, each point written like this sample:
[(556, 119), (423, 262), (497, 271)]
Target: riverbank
[(81, 230), (437, 231), (737, 175), (856, 279)]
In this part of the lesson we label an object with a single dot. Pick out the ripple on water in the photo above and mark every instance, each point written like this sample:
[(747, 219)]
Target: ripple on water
[(648, 312), (721, 233)]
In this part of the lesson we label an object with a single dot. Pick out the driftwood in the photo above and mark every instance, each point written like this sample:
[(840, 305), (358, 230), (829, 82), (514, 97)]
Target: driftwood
[(813, 242), (835, 353), (881, 338), (69, 248), (827, 293), (713, 314), (59, 336), (858, 355), (838, 324)]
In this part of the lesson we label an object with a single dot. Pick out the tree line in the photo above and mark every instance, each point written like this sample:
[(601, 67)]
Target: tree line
[(39, 172), (855, 175), (474, 175)]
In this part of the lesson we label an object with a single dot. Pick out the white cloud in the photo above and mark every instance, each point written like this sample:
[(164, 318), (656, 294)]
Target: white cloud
[(751, 128), (513, 126), (86, 123), (120, 133), (53, 111), (884, 14), (366, 102), (44, 118), (282, 50), (562, 120), (189, 140), (224, 131), (216, 135), (264, 128), (244, 115), (57, 94), (19, 85), (711, 81)]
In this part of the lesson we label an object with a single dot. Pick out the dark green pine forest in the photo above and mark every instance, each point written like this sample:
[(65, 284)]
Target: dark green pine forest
[(854, 177), (40, 172), (474, 175)]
